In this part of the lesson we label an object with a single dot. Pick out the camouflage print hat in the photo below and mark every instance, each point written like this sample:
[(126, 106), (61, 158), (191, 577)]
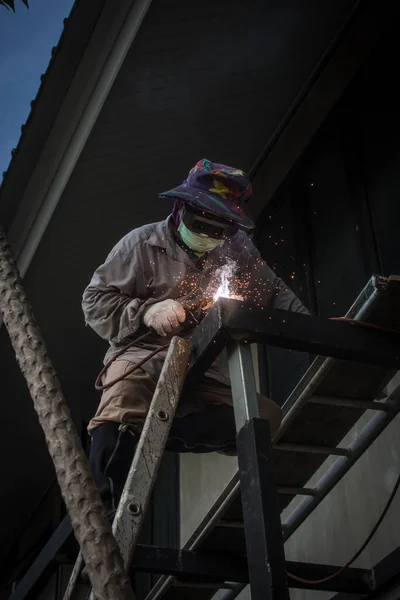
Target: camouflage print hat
[(216, 189)]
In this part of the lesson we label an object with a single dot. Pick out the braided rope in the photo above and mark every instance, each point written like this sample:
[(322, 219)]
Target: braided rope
[(92, 529)]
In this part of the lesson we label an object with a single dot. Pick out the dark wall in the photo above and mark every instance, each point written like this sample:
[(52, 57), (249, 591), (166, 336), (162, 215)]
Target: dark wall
[(335, 220)]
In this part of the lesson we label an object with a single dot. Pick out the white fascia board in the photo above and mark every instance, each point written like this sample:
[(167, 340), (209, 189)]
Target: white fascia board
[(112, 37)]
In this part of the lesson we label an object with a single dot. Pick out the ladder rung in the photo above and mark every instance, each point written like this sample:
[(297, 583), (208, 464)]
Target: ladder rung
[(235, 524), (231, 524), (348, 403), (213, 585), (296, 491), (326, 450)]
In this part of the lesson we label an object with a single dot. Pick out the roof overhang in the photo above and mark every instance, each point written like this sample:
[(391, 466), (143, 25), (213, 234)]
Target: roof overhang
[(110, 41)]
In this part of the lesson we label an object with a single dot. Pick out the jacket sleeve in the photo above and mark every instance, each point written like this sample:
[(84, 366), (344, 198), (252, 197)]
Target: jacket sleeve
[(111, 303), (266, 287)]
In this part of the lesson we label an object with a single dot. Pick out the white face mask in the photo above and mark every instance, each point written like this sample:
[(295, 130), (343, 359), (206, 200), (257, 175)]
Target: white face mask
[(196, 242)]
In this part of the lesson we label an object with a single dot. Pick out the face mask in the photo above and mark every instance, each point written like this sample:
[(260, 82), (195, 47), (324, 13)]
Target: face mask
[(197, 242)]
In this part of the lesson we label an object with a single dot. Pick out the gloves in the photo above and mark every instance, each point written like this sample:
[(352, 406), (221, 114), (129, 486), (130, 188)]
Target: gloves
[(164, 317)]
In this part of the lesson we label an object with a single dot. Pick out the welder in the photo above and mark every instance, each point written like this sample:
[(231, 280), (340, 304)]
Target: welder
[(140, 294)]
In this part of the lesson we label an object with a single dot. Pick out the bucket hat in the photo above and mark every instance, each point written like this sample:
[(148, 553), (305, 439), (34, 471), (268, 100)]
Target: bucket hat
[(217, 189)]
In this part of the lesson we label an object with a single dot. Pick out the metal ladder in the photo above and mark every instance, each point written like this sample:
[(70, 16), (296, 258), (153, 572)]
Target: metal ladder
[(145, 464)]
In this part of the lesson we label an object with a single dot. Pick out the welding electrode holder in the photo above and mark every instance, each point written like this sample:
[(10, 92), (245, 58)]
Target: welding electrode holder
[(196, 306)]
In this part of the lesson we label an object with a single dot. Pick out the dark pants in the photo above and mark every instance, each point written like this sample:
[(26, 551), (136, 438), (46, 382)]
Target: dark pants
[(113, 447)]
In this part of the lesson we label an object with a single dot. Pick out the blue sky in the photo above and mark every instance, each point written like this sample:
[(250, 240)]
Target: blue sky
[(26, 40)]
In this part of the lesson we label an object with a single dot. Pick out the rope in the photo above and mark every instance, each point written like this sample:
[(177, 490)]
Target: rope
[(365, 324)]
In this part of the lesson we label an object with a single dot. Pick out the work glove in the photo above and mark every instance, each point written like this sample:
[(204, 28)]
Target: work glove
[(164, 317)]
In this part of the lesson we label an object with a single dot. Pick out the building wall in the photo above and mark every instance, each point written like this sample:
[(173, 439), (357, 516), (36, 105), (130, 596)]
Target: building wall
[(332, 225)]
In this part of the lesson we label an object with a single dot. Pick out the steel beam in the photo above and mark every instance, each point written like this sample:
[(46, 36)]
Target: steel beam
[(261, 513), (190, 566), (202, 568), (235, 320)]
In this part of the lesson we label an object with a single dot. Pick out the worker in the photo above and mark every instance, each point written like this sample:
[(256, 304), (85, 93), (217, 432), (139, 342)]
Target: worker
[(142, 287)]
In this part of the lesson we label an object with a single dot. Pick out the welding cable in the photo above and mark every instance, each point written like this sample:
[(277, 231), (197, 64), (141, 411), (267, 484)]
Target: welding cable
[(357, 554), (365, 324), (98, 385)]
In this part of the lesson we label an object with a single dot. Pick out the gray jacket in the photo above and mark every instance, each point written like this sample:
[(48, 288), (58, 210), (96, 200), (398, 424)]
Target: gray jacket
[(148, 265)]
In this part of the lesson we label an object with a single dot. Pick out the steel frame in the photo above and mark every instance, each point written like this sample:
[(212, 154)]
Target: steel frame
[(227, 322), (264, 542), (221, 568), (221, 328)]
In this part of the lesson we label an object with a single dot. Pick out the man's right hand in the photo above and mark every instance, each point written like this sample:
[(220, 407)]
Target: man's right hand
[(164, 317)]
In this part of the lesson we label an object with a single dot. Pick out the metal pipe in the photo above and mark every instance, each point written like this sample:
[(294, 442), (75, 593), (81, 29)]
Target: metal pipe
[(82, 499), (299, 397), (295, 491)]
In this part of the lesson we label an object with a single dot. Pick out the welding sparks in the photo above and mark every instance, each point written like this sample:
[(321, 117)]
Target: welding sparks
[(226, 274), (223, 290)]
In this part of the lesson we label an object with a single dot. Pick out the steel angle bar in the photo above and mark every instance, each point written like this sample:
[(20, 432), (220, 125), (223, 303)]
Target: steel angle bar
[(244, 394), (327, 337)]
